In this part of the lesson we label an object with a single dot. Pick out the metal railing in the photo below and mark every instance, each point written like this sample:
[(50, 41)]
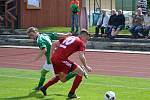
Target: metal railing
[(9, 17)]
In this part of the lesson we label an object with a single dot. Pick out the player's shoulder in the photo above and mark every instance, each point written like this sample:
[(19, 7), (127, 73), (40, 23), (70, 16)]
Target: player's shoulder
[(42, 35)]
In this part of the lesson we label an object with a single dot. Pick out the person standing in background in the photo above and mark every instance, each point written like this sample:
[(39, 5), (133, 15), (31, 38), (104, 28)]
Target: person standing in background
[(74, 6)]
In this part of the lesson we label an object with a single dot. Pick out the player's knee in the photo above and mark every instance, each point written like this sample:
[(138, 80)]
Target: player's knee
[(63, 80), (62, 77)]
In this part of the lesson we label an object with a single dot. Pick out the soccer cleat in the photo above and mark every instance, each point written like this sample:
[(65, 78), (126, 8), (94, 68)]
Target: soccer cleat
[(43, 90), (72, 95)]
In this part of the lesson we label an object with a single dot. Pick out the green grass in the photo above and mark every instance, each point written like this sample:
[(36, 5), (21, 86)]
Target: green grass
[(62, 29), (17, 84), (67, 29)]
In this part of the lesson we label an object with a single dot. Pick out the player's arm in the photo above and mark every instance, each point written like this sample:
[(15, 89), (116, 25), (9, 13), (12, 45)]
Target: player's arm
[(63, 35), (41, 53), (54, 46), (83, 60)]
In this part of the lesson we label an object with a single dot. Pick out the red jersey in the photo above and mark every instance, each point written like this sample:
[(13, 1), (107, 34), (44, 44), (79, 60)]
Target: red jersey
[(69, 46)]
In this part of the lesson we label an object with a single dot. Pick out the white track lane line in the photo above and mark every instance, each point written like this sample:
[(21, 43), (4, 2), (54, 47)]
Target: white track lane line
[(89, 50)]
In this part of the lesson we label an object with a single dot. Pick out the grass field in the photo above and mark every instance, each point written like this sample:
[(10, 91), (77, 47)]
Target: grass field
[(17, 84), (67, 29)]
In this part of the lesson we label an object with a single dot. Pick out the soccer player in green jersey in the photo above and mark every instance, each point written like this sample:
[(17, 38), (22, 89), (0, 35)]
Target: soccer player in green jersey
[(44, 41)]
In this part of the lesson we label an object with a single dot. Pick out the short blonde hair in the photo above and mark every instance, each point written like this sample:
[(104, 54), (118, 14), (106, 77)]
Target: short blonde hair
[(32, 29), (84, 31)]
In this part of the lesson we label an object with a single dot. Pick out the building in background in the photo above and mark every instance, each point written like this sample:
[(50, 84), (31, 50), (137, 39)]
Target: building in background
[(131, 5), (38, 13), (142, 4), (49, 13)]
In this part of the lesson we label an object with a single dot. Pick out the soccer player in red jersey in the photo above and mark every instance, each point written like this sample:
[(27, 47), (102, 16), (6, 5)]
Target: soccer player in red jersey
[(63, 67)]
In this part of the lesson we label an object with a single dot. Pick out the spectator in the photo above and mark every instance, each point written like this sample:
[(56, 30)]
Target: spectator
[(102, 23), (137, 24), (112, 23), (120, 24), (146, 24), (74, 5)]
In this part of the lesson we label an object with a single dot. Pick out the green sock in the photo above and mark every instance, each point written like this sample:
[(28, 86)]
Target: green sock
[(42, 78), (41, 82), (70, 75)]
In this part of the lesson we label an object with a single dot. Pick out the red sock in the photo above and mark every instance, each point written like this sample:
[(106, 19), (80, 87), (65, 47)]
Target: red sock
[(76, 83), (51, 82)]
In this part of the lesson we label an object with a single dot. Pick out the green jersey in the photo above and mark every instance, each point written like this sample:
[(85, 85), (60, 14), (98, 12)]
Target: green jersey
[(74, 8), (45, 41)]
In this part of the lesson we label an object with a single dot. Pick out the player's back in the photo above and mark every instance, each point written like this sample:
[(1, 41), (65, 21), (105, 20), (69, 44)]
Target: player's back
[(69, 46)]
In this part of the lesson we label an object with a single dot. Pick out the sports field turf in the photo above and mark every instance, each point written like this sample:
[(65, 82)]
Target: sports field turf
[(17, 84)]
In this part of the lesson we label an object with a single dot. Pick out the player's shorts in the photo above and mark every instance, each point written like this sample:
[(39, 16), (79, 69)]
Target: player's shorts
[(48, 67), (65, 66)]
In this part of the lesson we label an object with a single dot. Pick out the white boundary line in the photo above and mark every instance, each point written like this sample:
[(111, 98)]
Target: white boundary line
[(89, 50), (87, 83), (23, 47), (119, 51)]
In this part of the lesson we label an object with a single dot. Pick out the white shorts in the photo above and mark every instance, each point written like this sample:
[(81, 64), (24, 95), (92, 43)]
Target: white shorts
[(48, 67)]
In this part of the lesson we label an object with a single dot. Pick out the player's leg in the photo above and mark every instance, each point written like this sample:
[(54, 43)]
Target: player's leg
[(78, 70), (76, 24), (48, 84), (52, 81), (72, 23), (65, 77), (46, 68), (73, 70), (42, 78), (75, 85)]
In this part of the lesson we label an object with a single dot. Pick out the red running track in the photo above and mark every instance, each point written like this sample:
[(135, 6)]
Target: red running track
[(119, 64)]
